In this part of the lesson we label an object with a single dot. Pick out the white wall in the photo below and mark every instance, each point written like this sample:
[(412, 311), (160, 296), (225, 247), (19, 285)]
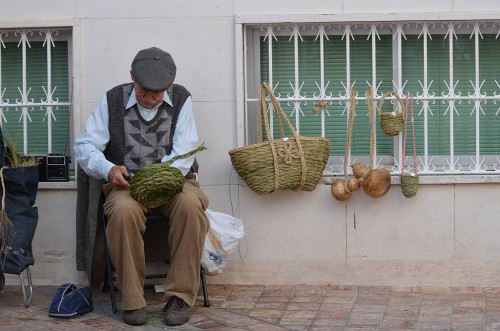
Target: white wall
[(445, 235)]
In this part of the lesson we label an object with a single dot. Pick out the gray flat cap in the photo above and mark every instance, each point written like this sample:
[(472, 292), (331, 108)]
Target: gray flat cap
[(153, 69)]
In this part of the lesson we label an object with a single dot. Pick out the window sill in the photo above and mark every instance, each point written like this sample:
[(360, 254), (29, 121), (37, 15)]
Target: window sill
[(438, 179), (70, 185), (328, 180)]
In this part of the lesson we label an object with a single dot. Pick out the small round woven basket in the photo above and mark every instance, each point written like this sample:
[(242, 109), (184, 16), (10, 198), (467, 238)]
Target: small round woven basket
[(409, 185), (390, 122)]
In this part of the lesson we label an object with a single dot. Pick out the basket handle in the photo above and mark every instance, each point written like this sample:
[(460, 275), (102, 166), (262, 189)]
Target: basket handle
[(388, 94), (263, 114), (278, 111)]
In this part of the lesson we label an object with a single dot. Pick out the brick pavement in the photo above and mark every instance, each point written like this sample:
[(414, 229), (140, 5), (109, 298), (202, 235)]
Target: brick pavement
[(300, 307)]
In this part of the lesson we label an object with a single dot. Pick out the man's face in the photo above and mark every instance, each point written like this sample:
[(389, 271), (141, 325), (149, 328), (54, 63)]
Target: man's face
[(147, 99)]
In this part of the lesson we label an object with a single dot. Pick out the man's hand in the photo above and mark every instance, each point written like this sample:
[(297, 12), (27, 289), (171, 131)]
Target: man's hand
[(117, 176)]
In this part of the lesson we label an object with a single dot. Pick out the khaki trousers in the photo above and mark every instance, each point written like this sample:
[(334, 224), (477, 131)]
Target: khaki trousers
[(188, 226)]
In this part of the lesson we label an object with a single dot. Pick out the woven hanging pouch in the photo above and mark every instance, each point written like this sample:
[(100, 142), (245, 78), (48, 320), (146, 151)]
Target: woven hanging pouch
[(409, 185), (156, 184), (287, 163), (390, 122)]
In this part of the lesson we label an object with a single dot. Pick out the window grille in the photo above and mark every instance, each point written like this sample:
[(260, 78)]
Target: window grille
[(35, 89), (451, 69)]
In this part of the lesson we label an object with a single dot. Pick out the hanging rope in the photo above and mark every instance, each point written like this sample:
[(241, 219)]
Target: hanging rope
[(341, 189), (371, 111), (376, 181), (350, 126)]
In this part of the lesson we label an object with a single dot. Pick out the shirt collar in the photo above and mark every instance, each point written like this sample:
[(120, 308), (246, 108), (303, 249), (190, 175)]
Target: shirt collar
[(133, 99)]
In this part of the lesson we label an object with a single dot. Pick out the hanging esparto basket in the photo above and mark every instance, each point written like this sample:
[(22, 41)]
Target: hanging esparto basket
[(409, 185), (409, 181), (391, 122), (156, 184), (288, 163)]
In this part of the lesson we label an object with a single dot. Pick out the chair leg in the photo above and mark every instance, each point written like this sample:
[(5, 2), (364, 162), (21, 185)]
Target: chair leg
[(105, 283), (2, 280), (108, 282), (111, 285), (27, 297), (206, 302)]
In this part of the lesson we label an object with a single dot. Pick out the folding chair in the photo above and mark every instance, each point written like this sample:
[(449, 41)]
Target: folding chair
[(27, 289), (152, 219)]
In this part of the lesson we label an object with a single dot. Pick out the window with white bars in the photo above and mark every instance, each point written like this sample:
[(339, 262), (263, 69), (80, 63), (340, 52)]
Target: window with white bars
[(450, 69), (35, 81)]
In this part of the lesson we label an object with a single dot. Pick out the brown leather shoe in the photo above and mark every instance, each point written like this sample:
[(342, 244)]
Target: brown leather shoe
[(135, 317), (176, 312)]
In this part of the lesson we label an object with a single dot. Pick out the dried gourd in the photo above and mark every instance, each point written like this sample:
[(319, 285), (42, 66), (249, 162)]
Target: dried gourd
[(377, 182), (353, 184), (340, 191), (359, 170)]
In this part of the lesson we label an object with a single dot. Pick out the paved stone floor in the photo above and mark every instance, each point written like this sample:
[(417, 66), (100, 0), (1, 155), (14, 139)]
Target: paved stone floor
[(300, 307)]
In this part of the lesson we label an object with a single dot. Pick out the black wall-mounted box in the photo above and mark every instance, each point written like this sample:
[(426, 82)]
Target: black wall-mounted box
[(53, 168)]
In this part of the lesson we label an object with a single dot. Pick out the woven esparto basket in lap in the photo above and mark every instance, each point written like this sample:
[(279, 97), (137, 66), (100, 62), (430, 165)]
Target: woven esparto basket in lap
[(391, 124), (156, 184), (288, 163)]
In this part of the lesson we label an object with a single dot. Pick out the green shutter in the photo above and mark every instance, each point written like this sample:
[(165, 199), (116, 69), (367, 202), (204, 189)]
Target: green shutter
[(439, 128), (489, 69), (36, 78), (437, 71), (11, 80), (60, 78), (361, 72), (464, 125), (335, 73)]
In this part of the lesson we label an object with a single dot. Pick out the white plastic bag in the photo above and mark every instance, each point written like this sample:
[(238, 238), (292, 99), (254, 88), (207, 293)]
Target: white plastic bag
[(221, 241)]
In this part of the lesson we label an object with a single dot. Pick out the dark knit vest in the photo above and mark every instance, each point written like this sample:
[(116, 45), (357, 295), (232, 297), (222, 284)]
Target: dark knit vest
[(126, 146)]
